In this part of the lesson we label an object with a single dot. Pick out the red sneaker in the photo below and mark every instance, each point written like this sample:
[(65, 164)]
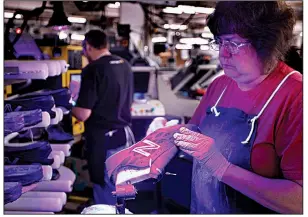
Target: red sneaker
[(145, 159)]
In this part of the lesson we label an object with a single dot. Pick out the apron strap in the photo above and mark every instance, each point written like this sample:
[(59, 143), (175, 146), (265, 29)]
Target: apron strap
[(130, 138), (214, 109), (253, 120)]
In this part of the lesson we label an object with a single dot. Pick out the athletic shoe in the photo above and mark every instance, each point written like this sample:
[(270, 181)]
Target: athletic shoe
[(28, 103), (146, 159), (25, 174), (56, 135), (13, 122), (37, 152), (12, 191), (62, 97)]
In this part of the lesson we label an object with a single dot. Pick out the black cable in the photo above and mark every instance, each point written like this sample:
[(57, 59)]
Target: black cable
[(155, 25), (149, 18), (154, 14), (27, 15)]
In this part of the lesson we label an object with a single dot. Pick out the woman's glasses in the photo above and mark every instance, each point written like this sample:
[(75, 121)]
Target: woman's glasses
[(232, 47)]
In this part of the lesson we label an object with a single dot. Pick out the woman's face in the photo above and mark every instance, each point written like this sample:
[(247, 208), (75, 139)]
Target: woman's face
[(243, 65)]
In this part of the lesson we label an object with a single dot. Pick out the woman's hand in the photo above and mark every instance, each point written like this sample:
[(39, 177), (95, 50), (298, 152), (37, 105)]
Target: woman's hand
[(202, 148)]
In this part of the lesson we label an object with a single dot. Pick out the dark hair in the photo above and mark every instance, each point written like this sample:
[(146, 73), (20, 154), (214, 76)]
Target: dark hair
[(294, 60), (96, 38), (268, 25)]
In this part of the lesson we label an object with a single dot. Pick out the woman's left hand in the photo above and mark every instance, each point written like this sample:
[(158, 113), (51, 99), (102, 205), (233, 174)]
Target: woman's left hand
[(202, 148)]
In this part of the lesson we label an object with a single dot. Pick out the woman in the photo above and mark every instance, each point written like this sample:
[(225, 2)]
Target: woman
[(248, 157)]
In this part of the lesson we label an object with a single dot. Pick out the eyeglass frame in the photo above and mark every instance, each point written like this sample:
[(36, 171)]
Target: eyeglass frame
[(223, 44)]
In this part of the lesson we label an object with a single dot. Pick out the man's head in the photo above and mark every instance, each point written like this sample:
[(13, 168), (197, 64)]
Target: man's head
[(94, 44)]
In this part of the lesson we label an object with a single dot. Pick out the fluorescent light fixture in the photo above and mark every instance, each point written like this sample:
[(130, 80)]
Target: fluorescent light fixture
[(115, 5), (203, 10), (166, 26), (18, 16), (159, 39), (183, 27), (204, 47), (77, 37), (170, 10), (77, 19), (187, 9), (10, 15), (191, 41), (207, 35), (183, 46), (175, 26), (62, 35)]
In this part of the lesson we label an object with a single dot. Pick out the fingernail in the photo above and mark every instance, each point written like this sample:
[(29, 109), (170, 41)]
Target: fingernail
[(182, 129), (175, 135)]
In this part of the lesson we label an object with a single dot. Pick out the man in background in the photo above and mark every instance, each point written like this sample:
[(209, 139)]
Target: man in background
[(104, 102)]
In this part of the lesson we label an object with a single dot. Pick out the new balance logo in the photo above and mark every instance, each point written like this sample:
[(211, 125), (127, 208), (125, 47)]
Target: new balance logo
[(150, 146)]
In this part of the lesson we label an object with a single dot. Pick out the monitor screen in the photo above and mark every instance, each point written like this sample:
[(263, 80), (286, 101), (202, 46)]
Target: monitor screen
[(74, 86), (141, 82)]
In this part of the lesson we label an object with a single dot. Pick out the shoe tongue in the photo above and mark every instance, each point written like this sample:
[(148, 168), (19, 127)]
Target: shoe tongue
[(18, 108)]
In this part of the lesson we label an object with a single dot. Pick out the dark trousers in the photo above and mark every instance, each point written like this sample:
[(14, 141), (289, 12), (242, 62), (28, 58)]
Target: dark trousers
[(101, 143)]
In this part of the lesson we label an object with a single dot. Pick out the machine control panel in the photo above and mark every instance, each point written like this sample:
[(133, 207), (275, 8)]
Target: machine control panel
[(148, 108)]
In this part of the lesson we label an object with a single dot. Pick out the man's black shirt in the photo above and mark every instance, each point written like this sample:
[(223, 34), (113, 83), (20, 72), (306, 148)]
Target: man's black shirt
[(107, 89)]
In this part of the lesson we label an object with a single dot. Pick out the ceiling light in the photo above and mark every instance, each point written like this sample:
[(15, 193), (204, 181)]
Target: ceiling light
[(10, 15), (18, 16), (170, 10), (62, 35), (207, 35), (187, 9), (183, 46), (77, 37), (115, 5), (203, 10), (183, 27), (174, 26), (77, 19), (204, 47), (166, 26), (159, 39), (194, 41), (58, 20)]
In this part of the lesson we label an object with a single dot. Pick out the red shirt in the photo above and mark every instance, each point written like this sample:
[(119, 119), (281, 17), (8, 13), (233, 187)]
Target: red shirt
[(278, 147)]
